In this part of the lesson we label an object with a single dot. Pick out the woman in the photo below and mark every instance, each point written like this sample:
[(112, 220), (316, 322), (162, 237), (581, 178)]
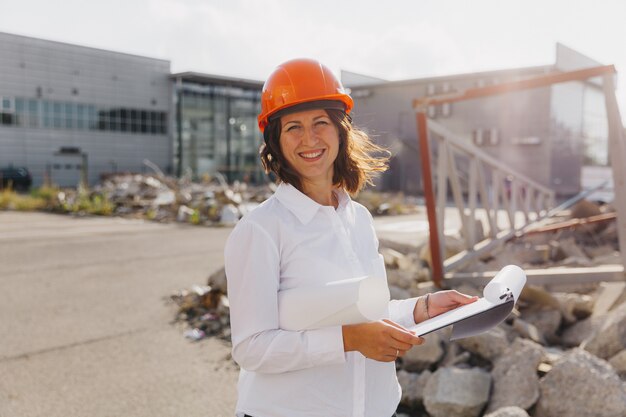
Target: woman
[(310, 233)]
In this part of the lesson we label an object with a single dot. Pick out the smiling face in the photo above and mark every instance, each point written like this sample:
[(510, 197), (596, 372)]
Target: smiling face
[(309, 142)]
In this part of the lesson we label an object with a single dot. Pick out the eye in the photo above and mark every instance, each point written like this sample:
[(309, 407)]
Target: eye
[(321, 122), (292, 127)]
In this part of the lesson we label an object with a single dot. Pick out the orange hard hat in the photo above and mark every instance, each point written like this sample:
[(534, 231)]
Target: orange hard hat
[(301, 81)]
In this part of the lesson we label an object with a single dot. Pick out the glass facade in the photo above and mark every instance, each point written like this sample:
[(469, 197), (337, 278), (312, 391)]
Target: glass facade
[(579, 133), (216, 131), (49, 114), (595, 128)]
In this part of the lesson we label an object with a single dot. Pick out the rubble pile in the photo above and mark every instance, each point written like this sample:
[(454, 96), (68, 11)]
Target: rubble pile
[(204, 310), (558, 354), (567, 241), (388, 203), (166, 199)]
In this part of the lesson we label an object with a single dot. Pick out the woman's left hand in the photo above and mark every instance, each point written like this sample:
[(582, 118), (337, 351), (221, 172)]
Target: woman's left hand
[(440, 302)]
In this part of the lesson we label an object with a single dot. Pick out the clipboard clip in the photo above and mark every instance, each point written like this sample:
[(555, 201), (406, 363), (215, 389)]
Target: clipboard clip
[(507, 295)]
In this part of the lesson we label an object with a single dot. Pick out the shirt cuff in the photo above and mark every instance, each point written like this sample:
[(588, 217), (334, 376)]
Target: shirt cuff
[(325, 345), (401, 311)]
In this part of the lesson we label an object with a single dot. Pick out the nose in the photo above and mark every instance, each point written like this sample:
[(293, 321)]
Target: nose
[(310, 137)]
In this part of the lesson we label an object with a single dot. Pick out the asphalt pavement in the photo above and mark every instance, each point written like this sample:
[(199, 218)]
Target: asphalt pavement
[(85, 330)]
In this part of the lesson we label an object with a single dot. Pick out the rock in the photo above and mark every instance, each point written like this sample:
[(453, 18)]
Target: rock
[(528, 331), (581, 385), (413, 387), (391, 257), (488, 345), (217, 280), (618, 362), (581, 331), (546, 321), (611, 337), (508, 412), (423, 356), (574, 306), (585, 208), (515, 380), (538, 296), (453, 392)]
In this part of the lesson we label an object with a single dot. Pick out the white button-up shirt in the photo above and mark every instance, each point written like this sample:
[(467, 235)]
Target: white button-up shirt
[(291, 241)]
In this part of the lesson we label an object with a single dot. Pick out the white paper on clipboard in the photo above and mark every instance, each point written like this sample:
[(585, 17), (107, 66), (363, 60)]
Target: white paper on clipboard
[(350, 301), (499, 298)]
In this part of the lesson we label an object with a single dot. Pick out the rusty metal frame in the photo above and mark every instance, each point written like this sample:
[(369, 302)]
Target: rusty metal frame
[(616, 143)]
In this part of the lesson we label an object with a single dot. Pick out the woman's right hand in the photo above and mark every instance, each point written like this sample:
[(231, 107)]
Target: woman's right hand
[(382, 340)]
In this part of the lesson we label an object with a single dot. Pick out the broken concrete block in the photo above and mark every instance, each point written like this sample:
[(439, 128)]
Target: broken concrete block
[(217, 280), (391, 257), (581, 385), (515, 380), (574, 307), (611, 337), (508, 412), (425, 355), (413, 387), (488, 345), (546, 321), (399, 278), (453, 392), (580, 331), (528, 331)]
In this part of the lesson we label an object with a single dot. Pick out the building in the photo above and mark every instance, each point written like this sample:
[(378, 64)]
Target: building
[(67, 108), (548, 134), (216, 127)]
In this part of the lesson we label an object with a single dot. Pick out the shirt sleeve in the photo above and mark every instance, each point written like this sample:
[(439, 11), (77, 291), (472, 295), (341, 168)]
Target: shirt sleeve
[(401, 312), (252, 263)]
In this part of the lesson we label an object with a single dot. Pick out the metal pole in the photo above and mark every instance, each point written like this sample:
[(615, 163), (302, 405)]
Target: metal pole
[(617, 155), (179, 127), (429, 196), (228, 139)]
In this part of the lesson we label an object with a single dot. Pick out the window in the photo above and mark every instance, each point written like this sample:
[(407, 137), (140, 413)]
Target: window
[(485, 137)]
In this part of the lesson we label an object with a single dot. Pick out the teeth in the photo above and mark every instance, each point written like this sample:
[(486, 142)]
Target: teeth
[(311, 154)]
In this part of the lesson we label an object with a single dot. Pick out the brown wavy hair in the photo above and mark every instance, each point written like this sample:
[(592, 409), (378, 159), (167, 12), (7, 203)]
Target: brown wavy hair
[(358, 162)]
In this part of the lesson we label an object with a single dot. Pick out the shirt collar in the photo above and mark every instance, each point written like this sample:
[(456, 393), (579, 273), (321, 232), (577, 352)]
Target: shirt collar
[(303, 207)]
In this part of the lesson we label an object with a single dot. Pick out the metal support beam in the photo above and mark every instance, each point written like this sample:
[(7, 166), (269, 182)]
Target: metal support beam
[(534, 82), (617, 155), (429, 196)]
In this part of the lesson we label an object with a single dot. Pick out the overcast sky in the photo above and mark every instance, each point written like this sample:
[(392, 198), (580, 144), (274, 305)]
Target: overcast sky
[(393, 39)]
